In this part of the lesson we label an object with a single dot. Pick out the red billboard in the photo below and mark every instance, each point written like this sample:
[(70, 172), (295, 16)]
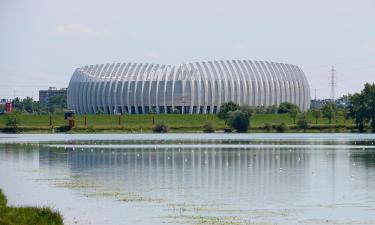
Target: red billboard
[(8, 107)]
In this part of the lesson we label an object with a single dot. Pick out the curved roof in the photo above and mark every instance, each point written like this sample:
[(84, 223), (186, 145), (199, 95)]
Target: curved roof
[(244, 81)]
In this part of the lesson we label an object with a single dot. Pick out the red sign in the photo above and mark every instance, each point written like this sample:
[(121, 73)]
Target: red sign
[(8, 107)]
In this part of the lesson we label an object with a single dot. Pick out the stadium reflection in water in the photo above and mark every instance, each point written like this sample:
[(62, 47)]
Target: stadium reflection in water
[(326, 180)]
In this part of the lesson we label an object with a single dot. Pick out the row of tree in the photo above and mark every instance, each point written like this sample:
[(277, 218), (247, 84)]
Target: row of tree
[(361, 109), (56, 104)]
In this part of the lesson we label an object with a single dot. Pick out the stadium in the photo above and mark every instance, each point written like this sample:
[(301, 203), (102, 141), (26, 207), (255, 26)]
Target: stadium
[(191, 88)]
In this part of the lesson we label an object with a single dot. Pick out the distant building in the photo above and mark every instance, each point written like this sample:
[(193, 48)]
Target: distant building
[(45, 95), (191, 88), (6, 105)]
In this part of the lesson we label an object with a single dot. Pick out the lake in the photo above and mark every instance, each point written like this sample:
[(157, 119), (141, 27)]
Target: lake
[(193, 178)]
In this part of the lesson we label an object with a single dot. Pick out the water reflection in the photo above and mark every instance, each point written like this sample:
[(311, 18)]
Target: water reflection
[(306, 181)]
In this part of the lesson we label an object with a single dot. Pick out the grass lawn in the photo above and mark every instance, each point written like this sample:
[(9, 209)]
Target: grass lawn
[(177, 122), (27, 215)]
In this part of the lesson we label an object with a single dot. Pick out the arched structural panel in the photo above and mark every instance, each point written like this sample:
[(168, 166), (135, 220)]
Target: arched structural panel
[(192, 88)]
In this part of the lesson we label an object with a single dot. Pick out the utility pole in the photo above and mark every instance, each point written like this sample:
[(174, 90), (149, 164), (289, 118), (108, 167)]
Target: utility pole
[(332, 83)]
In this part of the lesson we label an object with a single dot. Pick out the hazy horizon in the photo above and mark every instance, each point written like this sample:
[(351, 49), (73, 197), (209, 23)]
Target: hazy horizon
[(42, 42)]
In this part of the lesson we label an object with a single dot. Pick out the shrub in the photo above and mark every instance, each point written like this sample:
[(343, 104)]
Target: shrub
[(209, 127), (281, 128), (12, 123), (63, 128), (268, 127), (239, 120), (161, 127), (303, 123), (287, 107), (225, 109)]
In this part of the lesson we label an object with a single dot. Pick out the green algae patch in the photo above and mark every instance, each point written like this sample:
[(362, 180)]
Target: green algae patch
[(123, 196)]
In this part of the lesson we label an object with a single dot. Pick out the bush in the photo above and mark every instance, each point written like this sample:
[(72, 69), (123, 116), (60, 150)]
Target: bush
[(209, 127), (63, 128), (161, 127), (281, 128), (225, 109), (268, 127), (12, 123), (303, 123), (287, 107), (239, 120)]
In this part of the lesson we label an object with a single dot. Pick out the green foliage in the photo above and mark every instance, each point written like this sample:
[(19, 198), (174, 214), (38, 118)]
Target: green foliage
[(27, 215), (209, 127), (248, 109), (362, 108), (226, 108), (287, 107), (12, 123), (268, 127), (303, 123), (293, 113), (265, 110), (329, 111), (281, 128), (57, 103), (27, 105), (161, 127), (316, 113), (239, 120)]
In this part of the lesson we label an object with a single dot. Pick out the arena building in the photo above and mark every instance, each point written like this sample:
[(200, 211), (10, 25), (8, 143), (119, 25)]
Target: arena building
[(192, 88)]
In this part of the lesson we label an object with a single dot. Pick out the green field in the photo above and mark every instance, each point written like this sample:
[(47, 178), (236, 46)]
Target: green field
[(176, 122)]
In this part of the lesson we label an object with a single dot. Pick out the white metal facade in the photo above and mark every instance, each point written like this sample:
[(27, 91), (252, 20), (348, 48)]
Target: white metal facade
[(191, 88)]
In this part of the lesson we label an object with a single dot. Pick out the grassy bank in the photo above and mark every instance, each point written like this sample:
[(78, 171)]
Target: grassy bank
[(176, 122), (27, 215)]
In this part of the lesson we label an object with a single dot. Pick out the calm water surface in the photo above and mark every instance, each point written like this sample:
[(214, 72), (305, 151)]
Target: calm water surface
[(193, 178)]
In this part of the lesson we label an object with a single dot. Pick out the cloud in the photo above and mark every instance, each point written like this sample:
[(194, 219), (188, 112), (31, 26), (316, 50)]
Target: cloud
[(78, 28)]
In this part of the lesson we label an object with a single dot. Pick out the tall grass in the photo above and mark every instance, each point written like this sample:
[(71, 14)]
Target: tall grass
[(27, 215)]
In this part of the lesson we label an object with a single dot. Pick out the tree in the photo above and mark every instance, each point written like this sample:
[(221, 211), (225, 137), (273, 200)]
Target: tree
[(286, 107), (226, 108), (239, 120), (303, 123), (316, 113), (362, 107), (28, 104), (329, 110), (293, 113), (17, 104), (57, 102)]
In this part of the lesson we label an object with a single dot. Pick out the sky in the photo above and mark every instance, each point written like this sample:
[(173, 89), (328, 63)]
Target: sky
[(43, 41)]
